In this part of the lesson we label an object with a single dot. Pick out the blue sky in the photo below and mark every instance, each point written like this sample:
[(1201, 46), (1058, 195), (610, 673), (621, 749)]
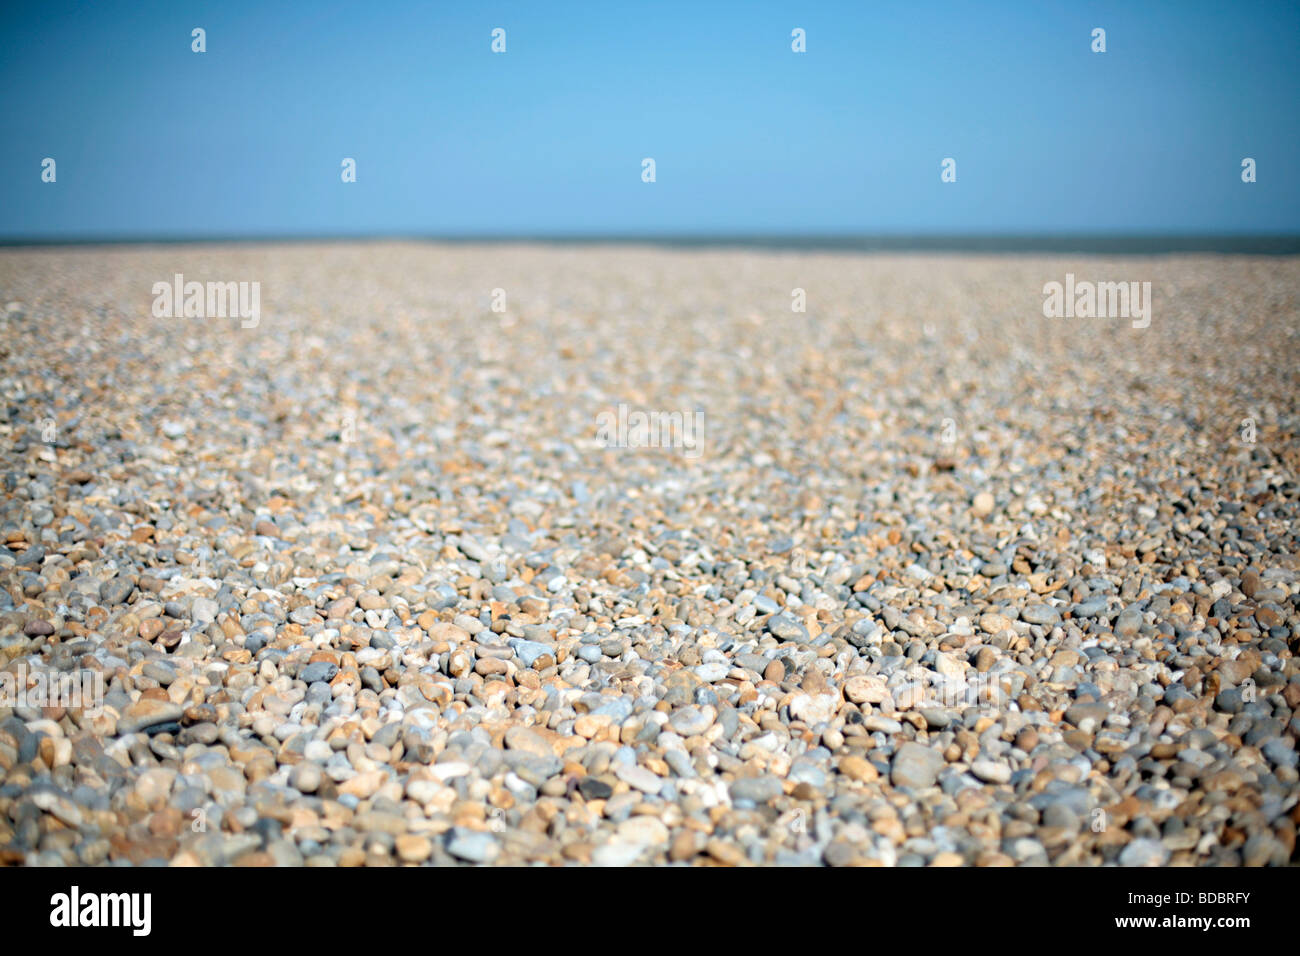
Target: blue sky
[(246, 139)]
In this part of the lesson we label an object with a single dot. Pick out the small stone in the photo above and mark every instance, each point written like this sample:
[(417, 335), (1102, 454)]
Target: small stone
[(725, 852), (646, 830), (472, 846), (859, 769), (685, 846), (617, 854), (1093, 607), (306, 777), (318, 671), (814, 709), (58, 806), (786, 628), (1087, 716), (1251, 583), (990, 771), (413, 848), (1144, 852), (529, 740), (866, 689), (691, 721), (640, 778), (203, 611), (712, 673), (758, 789), (1129, 622), (994, 623), (593, 788), (364, 785), (146, 713), (1042, 614), (1230, 700), (915, 766), (529, 652), (116, 591), (680, 687), (985, 658), (38, 628)]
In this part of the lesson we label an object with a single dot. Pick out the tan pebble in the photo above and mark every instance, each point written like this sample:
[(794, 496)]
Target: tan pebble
[(578, 852), (865, 689), (726, 853), (458, 664), (352, 856), (856, 768), (363, 785), (684, 846), (589, 725), (531, 740), (994, 623), (446, 631), (413, 848)]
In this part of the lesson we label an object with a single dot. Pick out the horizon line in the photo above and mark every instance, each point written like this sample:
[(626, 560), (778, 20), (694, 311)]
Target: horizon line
[(991, 242)]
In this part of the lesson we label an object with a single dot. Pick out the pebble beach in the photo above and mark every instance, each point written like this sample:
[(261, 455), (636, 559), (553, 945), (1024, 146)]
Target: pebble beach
[(939, 581)]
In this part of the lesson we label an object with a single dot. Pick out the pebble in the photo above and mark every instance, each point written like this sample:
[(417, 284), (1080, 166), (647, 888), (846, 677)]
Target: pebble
[(712, 673), (318, 671), (640, 778), (691, 721), (758, 789), (531, 651), (416, 848), (471, 845), (146, 713), (814, 709), (306, 777), (786, 628), (915, 766), (1144, 852), (991, 771), (617, 854), (116, 590), (204, 611), (1129, 622), (1040, 614), (857, 768)]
